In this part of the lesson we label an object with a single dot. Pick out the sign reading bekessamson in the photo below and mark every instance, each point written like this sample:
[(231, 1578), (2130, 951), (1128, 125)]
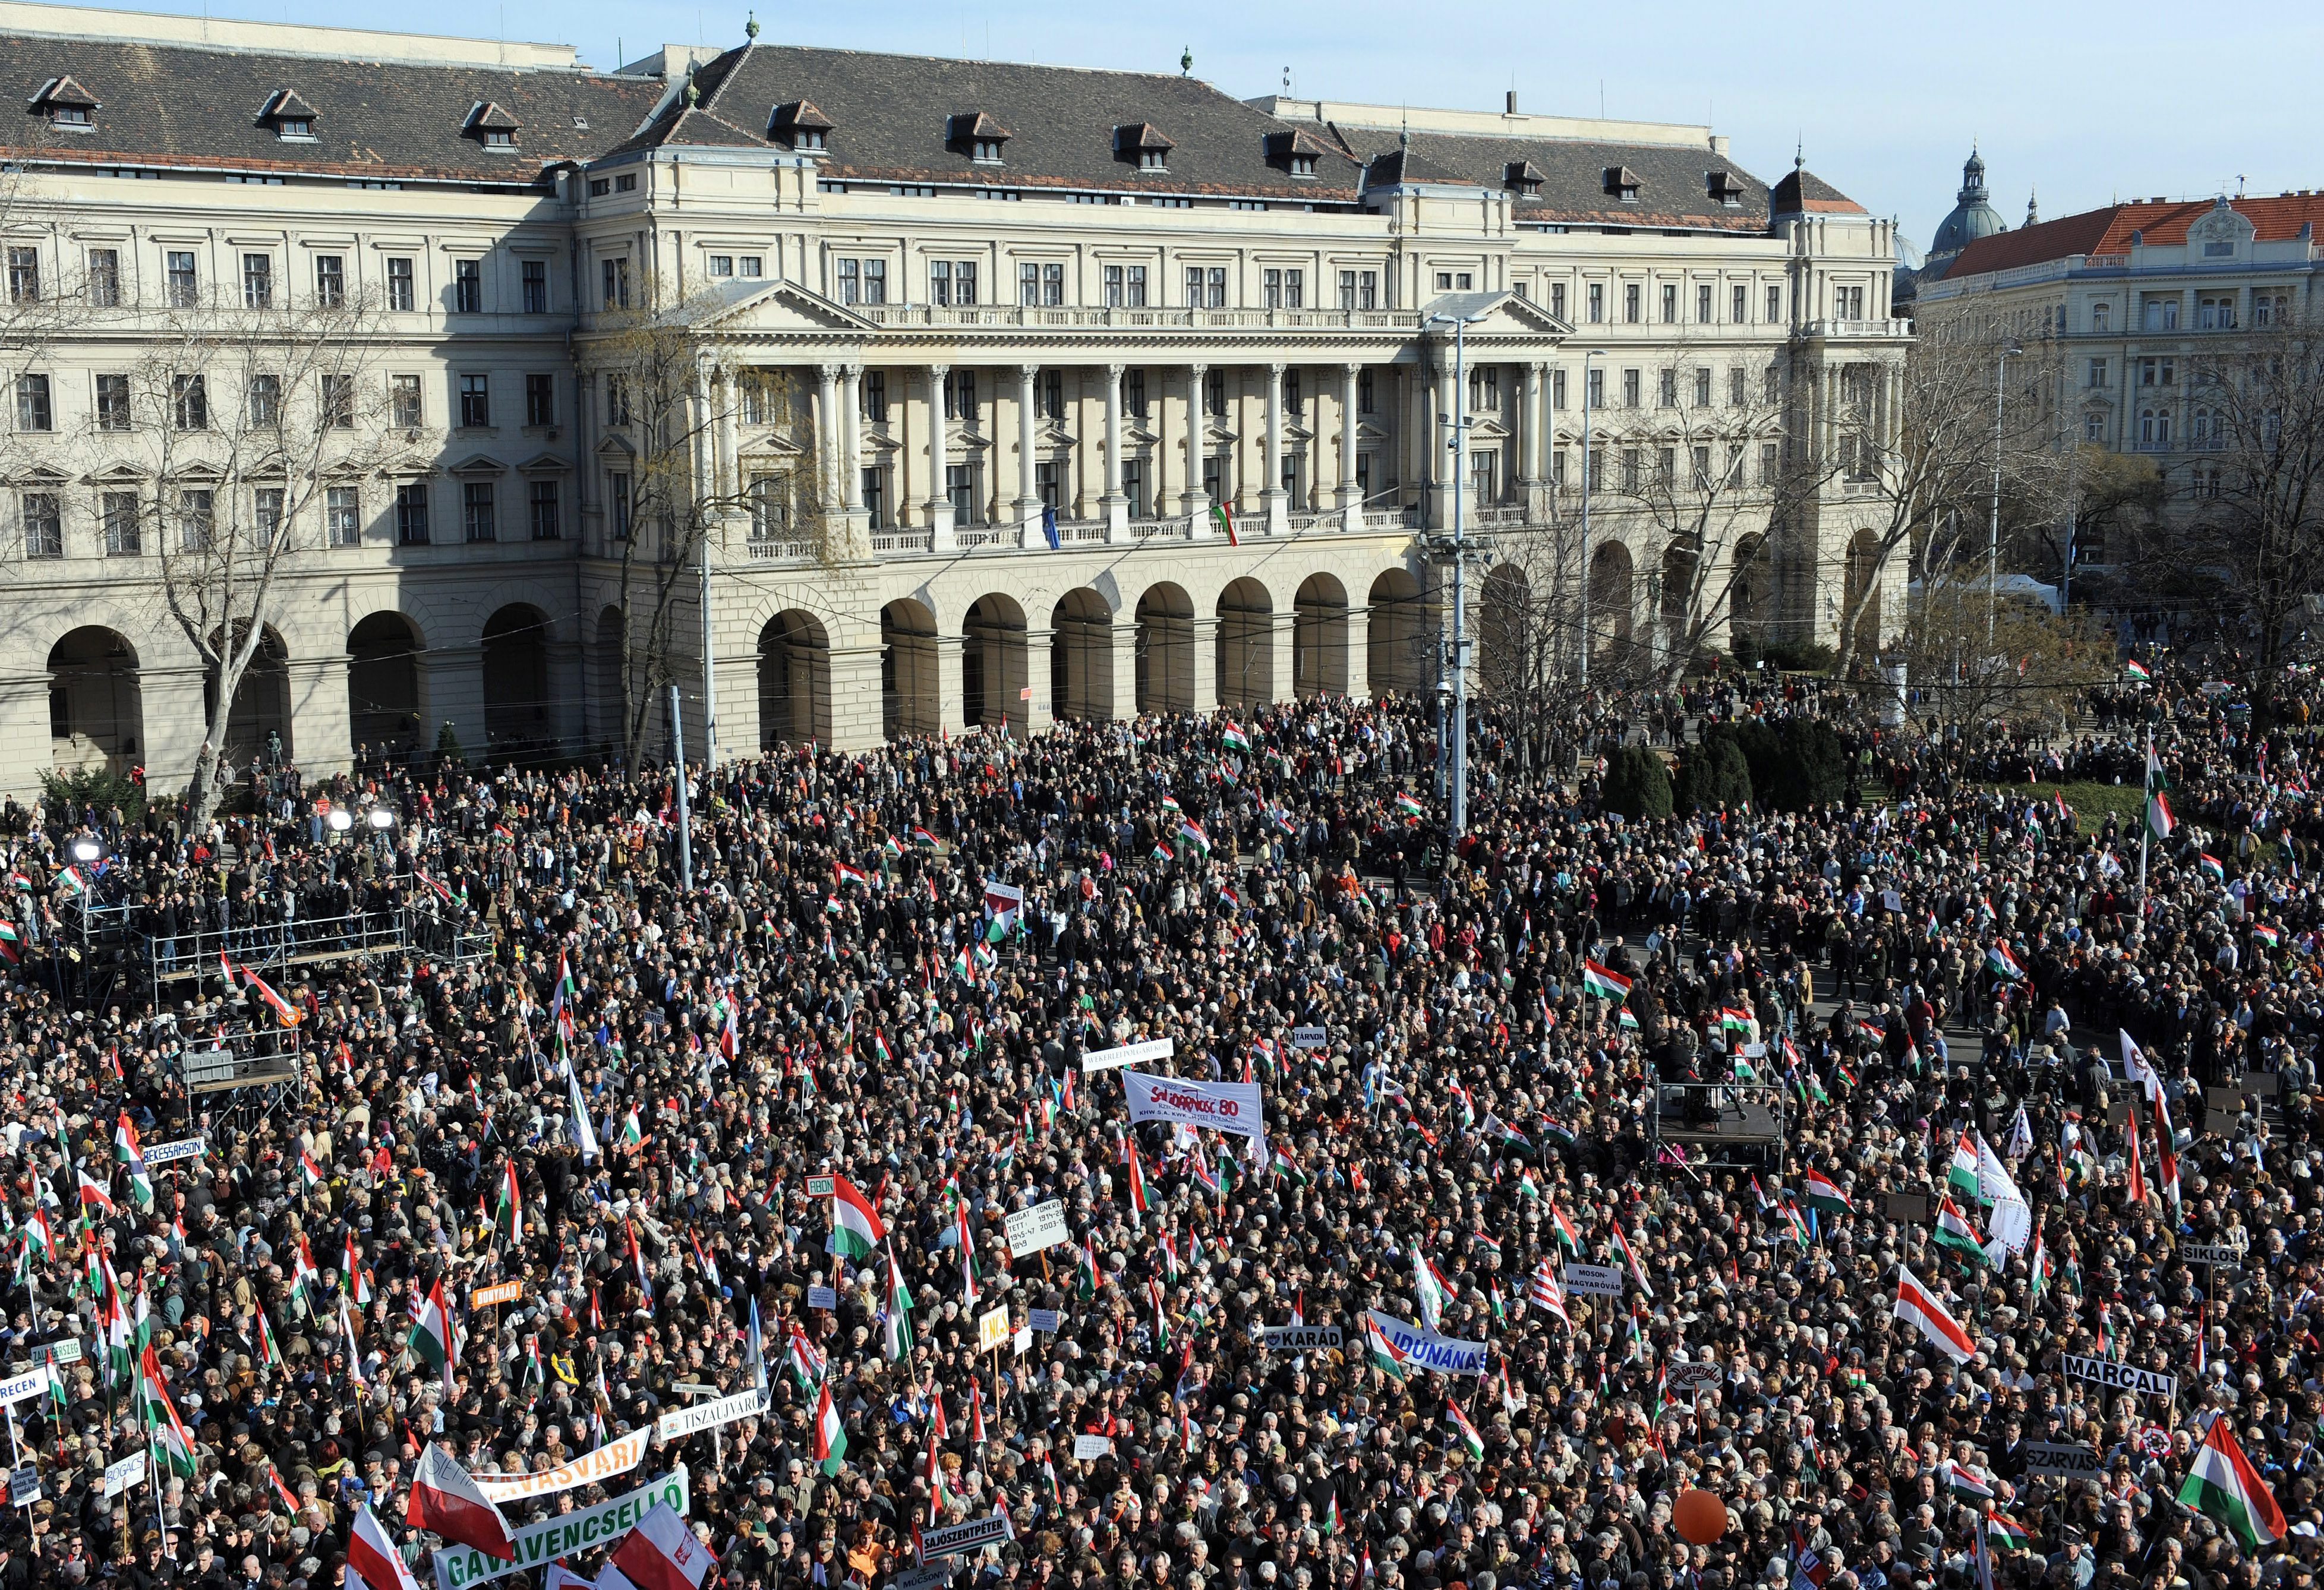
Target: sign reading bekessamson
[(1223, 1106), (568, 1534), (1445, 1355), (2119, 1377)]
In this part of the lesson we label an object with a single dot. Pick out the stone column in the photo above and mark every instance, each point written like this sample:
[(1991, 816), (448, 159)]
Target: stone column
[(856, 703), (1273, 501), (1359, 653), (1113, 505), (1205, 641), (706, 434), (940, 521), (729, 443), (1038, 710), (827, 432), (1440, 462), (1194, 502), (1282, 663), (851, 439), (1125, 666), (319, 728), (952, 709), (1028, 490), (1531, 428), (1349, 493)]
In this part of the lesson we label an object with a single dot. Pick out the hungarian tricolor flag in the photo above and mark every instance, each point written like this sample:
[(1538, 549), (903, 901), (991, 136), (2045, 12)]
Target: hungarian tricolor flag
[(2160, 820), (2223, 1483), (2001, 963), (1384, 1356), (1917, 1305), (445, 1499), (1225, 517), (1604, 982), (373, 1561), (433, 1340), (1469, 1438), (856, 1230), (1405, 807), (509, 1215), (830, 1435), (1563, 1228), (1825, 1194)]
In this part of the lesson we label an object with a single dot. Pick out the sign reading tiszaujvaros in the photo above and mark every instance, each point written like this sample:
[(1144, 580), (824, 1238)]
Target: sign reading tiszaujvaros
[(1302, 1338), (2119, 1377), (568, 1534), (2065, 1460)]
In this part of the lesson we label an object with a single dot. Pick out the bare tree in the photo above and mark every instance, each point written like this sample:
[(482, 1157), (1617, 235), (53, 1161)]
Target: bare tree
[(247, 433), (1925, 472), (669, 393), (2026, 674), (1528, 636), (2241, 545)]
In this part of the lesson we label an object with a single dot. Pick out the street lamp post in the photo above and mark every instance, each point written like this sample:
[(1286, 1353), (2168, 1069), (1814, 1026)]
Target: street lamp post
[(1993, 518), (1586, 483), (1458, 735)]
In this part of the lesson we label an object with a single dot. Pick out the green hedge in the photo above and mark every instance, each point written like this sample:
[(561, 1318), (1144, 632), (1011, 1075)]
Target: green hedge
[(1637, 785)]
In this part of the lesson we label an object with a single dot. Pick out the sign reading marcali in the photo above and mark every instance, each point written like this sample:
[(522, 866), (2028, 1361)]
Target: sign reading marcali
[(2119, 1377)]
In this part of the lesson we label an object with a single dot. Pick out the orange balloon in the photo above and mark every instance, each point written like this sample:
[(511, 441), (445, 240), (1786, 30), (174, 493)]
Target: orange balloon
[(1700, 1517)]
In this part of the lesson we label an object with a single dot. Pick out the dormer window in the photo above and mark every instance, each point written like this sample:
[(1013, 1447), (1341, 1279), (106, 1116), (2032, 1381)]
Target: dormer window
[(68, 106), (1143, 145), (1523, 178), (292, 117), (1622, 183), (1294, 152), (977, 135), (493, 127), (1725, 190), (802, 126)]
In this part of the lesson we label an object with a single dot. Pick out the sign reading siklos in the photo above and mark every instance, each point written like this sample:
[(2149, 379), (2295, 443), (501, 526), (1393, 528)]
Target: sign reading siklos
[(1693, 1378), (2119, 1377), (1036, 1229), (568, 1534)]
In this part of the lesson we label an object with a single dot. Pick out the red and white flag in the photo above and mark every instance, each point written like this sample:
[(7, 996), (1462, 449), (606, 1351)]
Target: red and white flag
[(660, 1554), (373, 1561), (1917, 1305), (445, 1499)]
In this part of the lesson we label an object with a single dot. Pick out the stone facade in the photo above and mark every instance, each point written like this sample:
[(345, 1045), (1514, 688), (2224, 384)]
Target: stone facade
[(967, 309)]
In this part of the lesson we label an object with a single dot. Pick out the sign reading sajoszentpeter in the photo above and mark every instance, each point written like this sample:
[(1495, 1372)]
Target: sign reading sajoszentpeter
[(2119, 1377), (1444, 1354)]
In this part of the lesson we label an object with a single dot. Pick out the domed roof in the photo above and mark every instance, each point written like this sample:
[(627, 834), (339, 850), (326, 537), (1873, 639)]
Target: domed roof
[(1972, 218)]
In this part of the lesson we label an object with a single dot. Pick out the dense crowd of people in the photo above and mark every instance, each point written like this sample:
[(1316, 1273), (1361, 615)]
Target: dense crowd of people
[(609, 1096)]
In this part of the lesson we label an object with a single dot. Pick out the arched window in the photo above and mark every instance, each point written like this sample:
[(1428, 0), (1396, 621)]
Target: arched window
[(2101, 316), (2154, 427)]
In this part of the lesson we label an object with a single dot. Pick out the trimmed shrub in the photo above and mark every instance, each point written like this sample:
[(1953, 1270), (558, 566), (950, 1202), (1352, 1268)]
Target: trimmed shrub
[(1637, 785)]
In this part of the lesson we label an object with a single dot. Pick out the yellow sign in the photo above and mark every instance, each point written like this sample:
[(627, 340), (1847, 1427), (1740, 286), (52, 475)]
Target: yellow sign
[(992, 1330)]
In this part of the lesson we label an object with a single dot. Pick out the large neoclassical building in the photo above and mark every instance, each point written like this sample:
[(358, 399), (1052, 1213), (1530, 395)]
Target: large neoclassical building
[(1105, 392)]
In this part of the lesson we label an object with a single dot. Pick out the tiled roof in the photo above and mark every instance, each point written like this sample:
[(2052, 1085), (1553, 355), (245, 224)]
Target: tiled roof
[(1673, 182), (163, 105), (1803, 193), (901, 118), (2107, 231)]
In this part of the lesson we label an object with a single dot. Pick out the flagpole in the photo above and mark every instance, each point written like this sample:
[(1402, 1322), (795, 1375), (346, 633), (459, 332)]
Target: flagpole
[(2146, 824)]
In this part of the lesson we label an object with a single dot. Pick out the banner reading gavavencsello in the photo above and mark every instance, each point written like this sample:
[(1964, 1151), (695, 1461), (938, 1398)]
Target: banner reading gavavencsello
[(1446, 1354), (1223, 1106), (567, 1534)]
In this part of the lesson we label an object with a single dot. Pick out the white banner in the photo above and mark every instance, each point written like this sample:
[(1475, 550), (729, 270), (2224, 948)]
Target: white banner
[(1036, 1229), (1443, 1353), (125, 1475), (1223, 1106), (568, 1534), (1106, 1060), (974, 1535), (610, 1461), (1006, 900), (17, 1387), (702, 1416), (170, 1153)]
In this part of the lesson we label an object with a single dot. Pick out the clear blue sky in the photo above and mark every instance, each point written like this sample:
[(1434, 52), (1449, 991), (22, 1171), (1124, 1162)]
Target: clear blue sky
[(2083, 103)]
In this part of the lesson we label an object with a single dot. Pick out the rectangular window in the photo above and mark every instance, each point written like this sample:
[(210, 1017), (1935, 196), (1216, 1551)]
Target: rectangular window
[(1738, 387), (1633, 312), (850, 278), (1771, 384), (403, 404), (874, 391), (1738, 307), (1557, 389), (257, 281), (1774, 305), (614, 277), (189, 403), (1294, 289), (197, 518), (1767, 464), (1270, 290), (1702, 387), (536, 287), (875, 282), (722, 266), (1053, 285), (875, 499), (1194, 286), (267, 512), (1215, 394), (1133, 292), (338, 397), (475, 402), (113, 402), (400, 294), (23, 275), (411, 515), (184, 286), (1629, 389), (768, 515), (617, 399), (617, 501), (1701, 461), (33, 408), (2094, 428), (547, 523), (1597, 302), (1113, 287), (1557, 300), (265, 400), (1594, 394), (1670, 304), (343, 516), (104, 278), (1364, 390), (1669, 389), (940, 281), (1133, 486), (2097, 372), (1133, 393), (960, 485), (539, 398), (476, 521), (1702, 302), (119, 510), (751, 265), (1028, 284), (960, 396), (1346, 290), (44, 525), (330, 280), (1633, 473), (1052, 404), (963, 283), (468, 287)]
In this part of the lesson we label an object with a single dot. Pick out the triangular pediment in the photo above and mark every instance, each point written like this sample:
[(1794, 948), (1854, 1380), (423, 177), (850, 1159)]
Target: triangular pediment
[(774, 306), (1491, 314)]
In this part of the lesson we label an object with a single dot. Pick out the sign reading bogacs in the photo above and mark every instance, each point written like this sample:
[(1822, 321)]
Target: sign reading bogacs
[(566, 1535)]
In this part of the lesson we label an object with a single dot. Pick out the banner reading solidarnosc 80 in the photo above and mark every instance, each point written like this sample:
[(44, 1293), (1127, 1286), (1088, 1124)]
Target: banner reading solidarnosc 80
[(1223, 1106)]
